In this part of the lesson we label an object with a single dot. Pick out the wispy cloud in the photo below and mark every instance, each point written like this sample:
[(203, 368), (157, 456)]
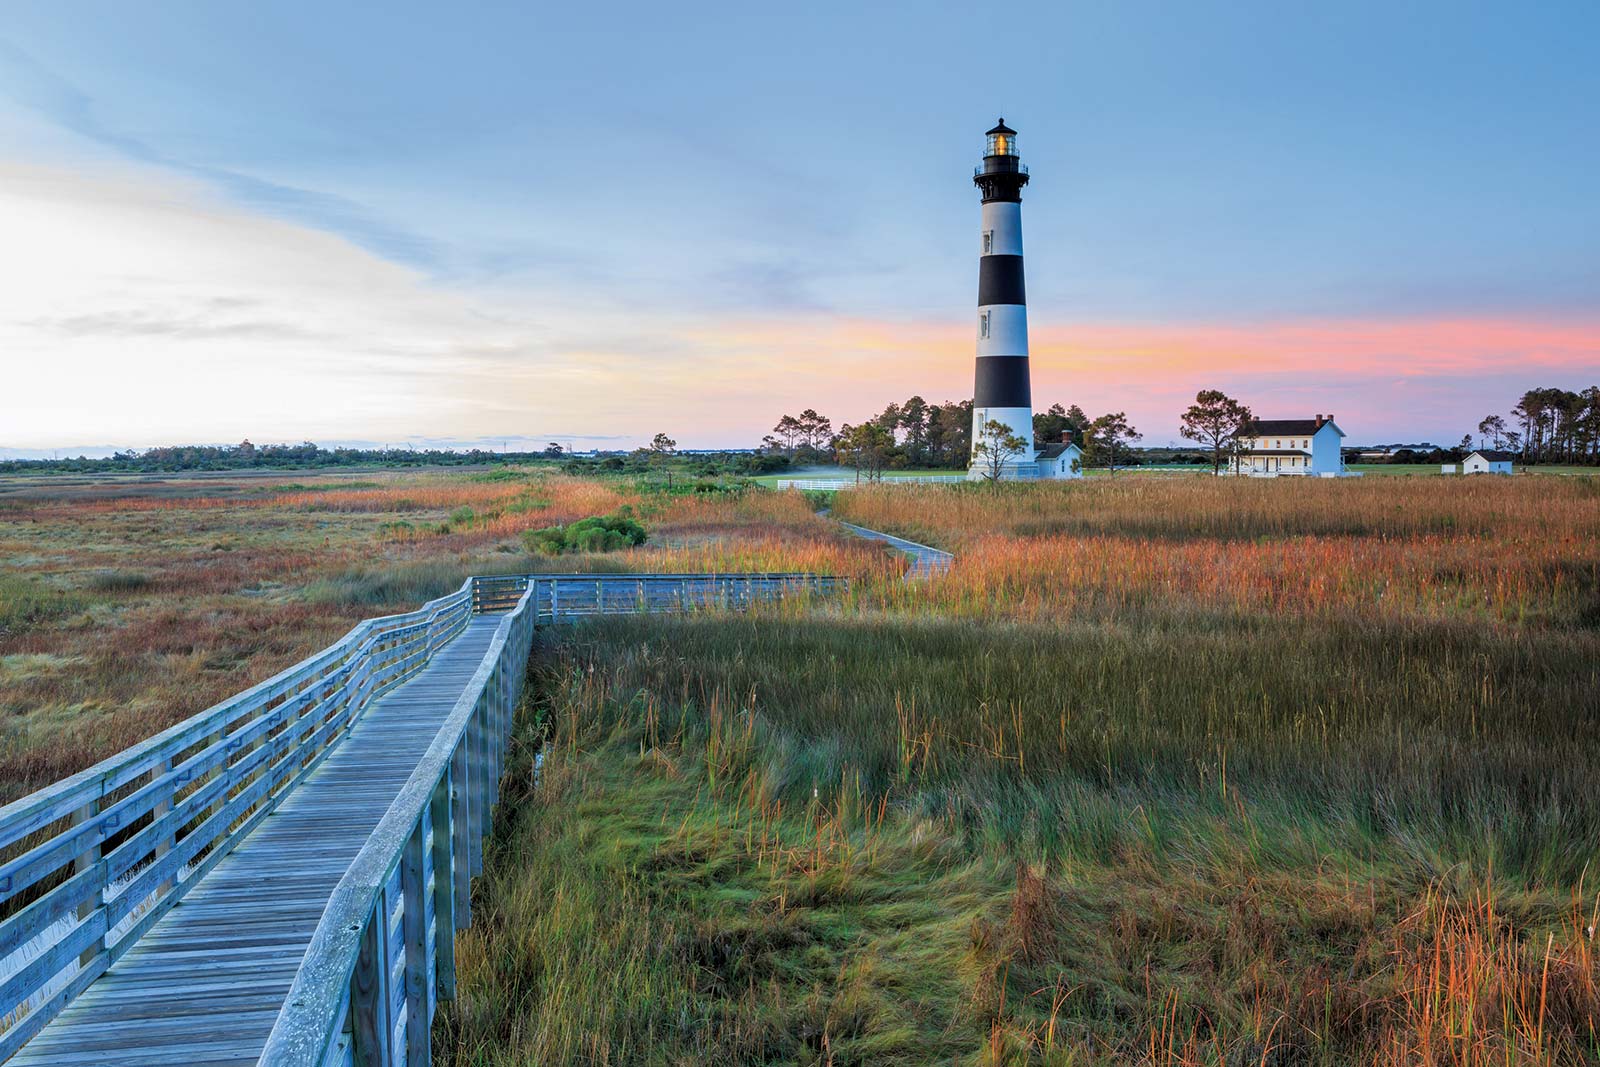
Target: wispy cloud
[(35, 86)]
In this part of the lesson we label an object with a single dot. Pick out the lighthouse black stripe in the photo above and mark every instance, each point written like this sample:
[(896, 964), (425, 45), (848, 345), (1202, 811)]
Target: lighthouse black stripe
[(1002, 383), (1000, 280)]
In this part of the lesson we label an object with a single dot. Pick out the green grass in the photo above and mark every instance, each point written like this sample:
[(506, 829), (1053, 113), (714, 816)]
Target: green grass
[(782, 839), (1077, 802), (26, 602)]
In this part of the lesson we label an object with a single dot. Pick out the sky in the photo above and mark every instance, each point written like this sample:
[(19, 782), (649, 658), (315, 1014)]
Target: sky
[(507, 223)]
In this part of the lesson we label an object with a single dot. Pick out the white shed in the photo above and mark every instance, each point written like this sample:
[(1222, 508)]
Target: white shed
[(1488, 461), (1062, 460)]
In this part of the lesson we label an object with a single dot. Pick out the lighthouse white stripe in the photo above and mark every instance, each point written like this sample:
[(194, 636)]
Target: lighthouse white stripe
[(1020, 420), (1008, 330), (1004, 221)]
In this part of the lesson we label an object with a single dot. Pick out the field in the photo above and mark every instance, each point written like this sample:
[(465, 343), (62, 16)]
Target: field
[(1168, 770), (128, 603)]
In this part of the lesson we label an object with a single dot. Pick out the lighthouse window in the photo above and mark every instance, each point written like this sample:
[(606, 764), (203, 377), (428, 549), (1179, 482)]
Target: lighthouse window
[(983, 325), (988, 241)]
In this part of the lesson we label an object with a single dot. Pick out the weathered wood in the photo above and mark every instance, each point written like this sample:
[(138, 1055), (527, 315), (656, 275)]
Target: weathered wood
[(321, 830), (444, 887), (413, 890), (369, 1014)]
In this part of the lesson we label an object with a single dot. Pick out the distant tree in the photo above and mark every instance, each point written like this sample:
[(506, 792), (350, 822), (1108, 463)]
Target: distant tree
[(553, 450), (1109, 437), (1492, 431), (789, 432), (661, 444), (770, 443), (997, 444), (1049, 425), (914, 421), (866, 448), (1215, 420), (889, 418), (1465, 447), (815, 430)]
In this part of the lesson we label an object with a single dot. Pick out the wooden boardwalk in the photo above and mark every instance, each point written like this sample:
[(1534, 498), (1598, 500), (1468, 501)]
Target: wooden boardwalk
[(926, 561), (205, 984), (279, 879)]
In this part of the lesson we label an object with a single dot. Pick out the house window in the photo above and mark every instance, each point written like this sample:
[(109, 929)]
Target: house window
[(983, 325), (988, 241)]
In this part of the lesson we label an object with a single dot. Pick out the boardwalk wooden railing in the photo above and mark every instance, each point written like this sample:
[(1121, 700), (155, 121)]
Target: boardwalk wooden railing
[(92, 862)]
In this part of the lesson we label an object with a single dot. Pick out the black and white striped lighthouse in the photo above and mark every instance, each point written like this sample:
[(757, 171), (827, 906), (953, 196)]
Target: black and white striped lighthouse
[(1002, 392)]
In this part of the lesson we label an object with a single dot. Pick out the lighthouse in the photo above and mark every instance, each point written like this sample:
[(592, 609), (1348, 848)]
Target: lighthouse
[(1002, 392)]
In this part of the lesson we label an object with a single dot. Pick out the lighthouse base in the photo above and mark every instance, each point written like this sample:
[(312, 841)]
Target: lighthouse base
[(1020, 468)]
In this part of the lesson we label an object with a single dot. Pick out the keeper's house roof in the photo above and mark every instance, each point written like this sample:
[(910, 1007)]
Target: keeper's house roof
[(1054, 451), (1285, 427), (1494, 455)]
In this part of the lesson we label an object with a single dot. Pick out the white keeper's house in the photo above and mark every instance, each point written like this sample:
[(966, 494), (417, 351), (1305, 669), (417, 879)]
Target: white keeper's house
[(1271, 448), (1060, 460), (1488, 461)]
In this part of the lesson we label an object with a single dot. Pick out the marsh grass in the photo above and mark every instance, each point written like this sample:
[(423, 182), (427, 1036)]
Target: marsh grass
[(1166, 771), (134, 604), (745, 846)]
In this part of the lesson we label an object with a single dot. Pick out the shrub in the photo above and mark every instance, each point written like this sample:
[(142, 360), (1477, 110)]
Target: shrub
[(119, 581), (598, 533)]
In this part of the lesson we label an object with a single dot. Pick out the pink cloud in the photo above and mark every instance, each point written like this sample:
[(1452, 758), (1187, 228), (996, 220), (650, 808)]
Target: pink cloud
[(1385, 378)]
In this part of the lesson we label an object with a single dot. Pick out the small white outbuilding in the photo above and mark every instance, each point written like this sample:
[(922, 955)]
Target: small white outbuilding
[(1061, 460), (1488, 461)]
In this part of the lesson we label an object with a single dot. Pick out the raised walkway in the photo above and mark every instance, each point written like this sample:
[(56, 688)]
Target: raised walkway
[(926, 561), (279, 880), (206, 983)]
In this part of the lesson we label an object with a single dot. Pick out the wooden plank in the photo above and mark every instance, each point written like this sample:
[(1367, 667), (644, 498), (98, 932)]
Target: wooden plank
[(444, 889), (413, 890)]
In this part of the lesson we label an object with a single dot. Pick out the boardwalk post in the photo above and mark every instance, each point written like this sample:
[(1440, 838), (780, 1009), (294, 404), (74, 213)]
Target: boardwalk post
[(86, 859), (413, 922), (461, 832), (444, 888), (369, 991), (480, 780), (162, 809)]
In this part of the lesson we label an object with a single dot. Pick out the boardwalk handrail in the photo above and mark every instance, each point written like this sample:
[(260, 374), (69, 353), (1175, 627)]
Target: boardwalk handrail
[(91, 862), (344, 1006)]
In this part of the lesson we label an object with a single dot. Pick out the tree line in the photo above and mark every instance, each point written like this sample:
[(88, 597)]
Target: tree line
[(1548, 426), (916, 435)]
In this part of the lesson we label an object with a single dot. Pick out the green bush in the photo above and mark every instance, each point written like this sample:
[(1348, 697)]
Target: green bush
[(119, 581), (598, 533)]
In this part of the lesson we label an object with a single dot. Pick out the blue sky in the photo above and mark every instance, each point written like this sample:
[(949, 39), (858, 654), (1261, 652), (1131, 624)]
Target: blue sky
[(604, 220)]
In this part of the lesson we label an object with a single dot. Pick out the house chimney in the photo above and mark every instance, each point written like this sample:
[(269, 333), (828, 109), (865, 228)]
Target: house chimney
[(1319, 420), (1066, 437)]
